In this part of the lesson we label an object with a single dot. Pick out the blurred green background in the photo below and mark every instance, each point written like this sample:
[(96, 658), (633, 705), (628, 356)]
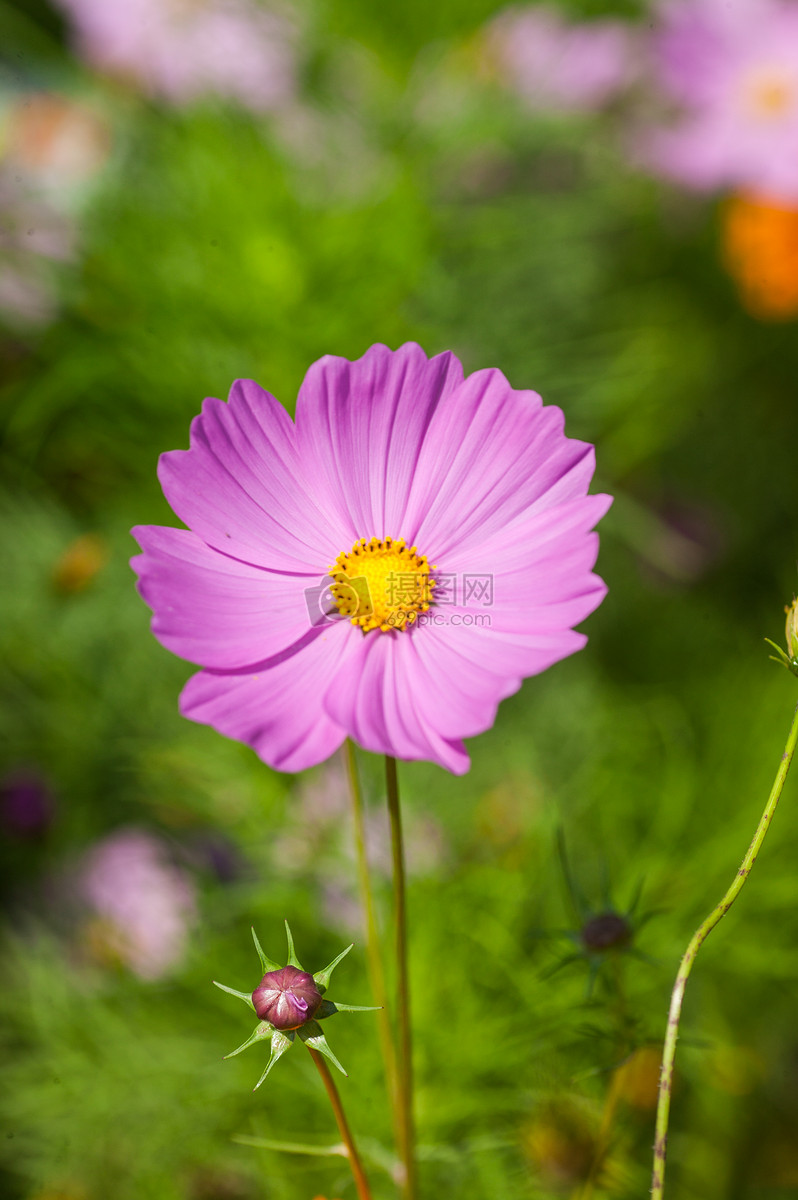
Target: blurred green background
[(403, 194)]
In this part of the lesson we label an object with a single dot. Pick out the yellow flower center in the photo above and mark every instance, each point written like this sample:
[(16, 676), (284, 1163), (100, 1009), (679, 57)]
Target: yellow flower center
[(770, 93), (382, 584)]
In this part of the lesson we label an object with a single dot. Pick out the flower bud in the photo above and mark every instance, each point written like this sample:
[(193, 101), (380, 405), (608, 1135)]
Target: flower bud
[(792, 629), (607, 931), (287, 998)]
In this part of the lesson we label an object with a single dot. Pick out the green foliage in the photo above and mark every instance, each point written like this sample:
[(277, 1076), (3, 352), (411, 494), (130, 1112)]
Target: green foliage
[(418, 202)]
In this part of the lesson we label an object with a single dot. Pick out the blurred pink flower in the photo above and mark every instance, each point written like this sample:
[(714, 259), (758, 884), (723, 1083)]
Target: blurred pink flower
[(146, 905), (731, 68), (556, 65), (184, 49), (34, 239)]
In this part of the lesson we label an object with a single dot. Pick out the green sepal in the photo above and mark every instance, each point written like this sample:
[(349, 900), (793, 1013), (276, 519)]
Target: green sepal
[(261, 1031), (280, 1043), (245, 996), (784, 659), (265, 962), (356, 1008), (293, 961), (311, 1034), (322, 978), (328, 1009)]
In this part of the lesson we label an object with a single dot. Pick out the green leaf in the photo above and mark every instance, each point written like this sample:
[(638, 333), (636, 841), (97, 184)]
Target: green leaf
[(292, 958), (322, 978), (280, 1043), (263, 1030), (245, 996), (312, 1036), (265, 962)]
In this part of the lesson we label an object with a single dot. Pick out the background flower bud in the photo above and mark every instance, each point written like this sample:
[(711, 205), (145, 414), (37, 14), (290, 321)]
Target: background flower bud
[(792, 629), (607, 931), (287, 998)]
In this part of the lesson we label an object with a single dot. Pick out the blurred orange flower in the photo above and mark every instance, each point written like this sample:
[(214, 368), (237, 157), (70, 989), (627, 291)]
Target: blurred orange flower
[(760, 248), (80, 562)]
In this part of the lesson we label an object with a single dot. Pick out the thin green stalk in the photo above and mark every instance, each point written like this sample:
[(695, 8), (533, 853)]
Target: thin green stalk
[(603, 1137), (376, 970), (361, 1182), (720, 910), (407, 1139), (613, 1095)]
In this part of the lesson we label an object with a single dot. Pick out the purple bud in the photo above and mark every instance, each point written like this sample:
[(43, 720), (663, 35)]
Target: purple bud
[(607, 931), (26, 804), (287, 998)]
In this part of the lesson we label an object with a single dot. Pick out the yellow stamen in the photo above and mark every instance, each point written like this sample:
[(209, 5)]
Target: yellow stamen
[(382, 584)]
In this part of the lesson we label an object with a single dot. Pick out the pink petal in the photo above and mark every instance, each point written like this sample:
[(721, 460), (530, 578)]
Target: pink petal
[(278, 711), (214, 610), (375, 699), (242, 487), (491, 452), (361, 427), (534, 536), (488, 664)]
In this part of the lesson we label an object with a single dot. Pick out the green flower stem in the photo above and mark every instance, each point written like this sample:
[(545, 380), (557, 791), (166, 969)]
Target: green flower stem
[(720, 910), (373, 954), (407, 1136), (612, 1098), (604, 1135), (361, 1182)]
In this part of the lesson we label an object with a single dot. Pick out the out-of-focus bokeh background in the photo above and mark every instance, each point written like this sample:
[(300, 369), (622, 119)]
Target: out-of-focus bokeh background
[(598, 197)]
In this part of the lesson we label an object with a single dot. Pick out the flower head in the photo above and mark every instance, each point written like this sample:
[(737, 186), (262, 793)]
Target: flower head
[(185, 49), (144, 903), (601, 932), (388, 567), (605, 931), (732, 70), (760, 244), (286, 998), (556, 65), (290, 1002)]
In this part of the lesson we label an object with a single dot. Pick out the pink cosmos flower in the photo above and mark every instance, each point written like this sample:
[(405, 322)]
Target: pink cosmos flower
[(555, 65), (731, 67), (147, 905), (184, 49), (388, 567)]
